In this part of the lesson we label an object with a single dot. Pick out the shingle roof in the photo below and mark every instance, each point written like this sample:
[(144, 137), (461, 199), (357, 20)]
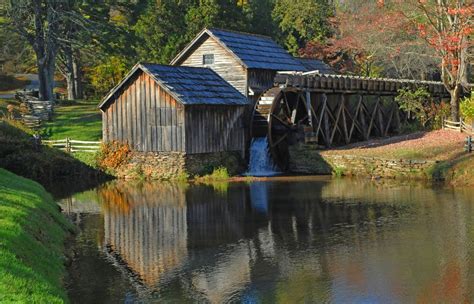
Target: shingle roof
[(257, 52), (253, 51), (188, 85), (316, 65)]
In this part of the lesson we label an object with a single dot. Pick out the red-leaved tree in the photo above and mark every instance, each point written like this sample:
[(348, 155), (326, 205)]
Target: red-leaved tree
[(447, 27), (371, 39), (404, 39)]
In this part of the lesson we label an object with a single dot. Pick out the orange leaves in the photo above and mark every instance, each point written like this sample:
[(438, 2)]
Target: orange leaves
[(422, 30), (449, 36), (461, 11), (467, 31), (113, 155)]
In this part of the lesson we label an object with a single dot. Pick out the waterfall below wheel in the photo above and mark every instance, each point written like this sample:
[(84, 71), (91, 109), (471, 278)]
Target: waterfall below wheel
[(261, 163)]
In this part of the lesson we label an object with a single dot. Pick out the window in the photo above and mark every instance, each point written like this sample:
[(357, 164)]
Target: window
[(208, 59)]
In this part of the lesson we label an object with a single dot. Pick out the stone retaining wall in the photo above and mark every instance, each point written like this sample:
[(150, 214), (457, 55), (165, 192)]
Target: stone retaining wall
[(178, 165), (379, 167), (307, 160)]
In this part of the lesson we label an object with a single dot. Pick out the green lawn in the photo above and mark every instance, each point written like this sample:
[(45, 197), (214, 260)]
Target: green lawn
[(32, 233), (79, 120)]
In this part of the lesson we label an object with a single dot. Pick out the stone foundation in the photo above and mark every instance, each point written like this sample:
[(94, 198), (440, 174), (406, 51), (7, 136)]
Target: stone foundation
[(178, 165), (307, 160)]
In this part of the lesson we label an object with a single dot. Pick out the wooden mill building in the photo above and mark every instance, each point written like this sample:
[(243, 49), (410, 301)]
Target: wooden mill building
[(248, 62), (194, 112), (159, 108)]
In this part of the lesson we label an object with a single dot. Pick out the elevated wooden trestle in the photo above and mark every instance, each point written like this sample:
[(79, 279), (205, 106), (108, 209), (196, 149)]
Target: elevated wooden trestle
[(328, 110)]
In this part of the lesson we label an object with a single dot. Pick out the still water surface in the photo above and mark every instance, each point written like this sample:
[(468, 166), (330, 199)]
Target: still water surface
[(300, 240)]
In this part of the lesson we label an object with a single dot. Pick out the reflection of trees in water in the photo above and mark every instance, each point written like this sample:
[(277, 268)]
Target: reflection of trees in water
[(426, 258)]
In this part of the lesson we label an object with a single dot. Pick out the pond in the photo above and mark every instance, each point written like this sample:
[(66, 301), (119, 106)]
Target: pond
[(284, 240)]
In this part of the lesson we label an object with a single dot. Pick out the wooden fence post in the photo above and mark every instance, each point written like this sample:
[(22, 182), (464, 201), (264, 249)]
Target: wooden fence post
[(460, 124), (68, 145)]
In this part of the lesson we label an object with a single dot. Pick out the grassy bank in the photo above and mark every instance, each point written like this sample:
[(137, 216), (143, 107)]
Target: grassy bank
[(47, 166), (32, 233)]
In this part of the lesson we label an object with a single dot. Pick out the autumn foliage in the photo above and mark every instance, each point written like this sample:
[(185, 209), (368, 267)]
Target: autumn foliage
[(417, 39), (113, 154)]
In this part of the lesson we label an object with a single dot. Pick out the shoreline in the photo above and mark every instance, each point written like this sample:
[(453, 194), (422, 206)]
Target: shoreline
[(32, 246)]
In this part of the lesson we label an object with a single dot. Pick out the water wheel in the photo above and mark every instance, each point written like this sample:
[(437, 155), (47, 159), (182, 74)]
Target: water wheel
[(281, 115)]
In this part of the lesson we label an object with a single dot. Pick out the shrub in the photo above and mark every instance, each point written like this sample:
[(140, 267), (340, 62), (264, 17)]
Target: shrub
[(219, 173), (436, 113), (416, 104), (467, 108), (112, 155), (338, 171)]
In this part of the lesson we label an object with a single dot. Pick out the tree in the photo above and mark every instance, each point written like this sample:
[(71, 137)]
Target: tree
[(259, 16), (374, 41), (447, 27), (302, 21), (227, 14), (160, 31), (38, 22), (16, 52)]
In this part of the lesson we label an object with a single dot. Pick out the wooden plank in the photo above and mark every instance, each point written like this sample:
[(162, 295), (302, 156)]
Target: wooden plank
[(389, 122), (115, 118), (145, 109), (336, 122), (344, 122), (319, 128), (175, 131), (128, 114), (363, 114), (161, 125), (355, 123), (120, 117), (136, 123), (152, 120)]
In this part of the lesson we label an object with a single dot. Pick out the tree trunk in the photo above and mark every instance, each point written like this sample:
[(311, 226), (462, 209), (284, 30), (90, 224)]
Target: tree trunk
[(46, 78), (70, 86), (69, 73), (77, 71), (455, 96)]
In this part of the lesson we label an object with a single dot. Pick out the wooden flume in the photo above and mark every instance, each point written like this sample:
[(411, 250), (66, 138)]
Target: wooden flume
[(329, 110)]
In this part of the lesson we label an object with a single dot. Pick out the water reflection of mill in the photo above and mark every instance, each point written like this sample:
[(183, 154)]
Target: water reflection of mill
[(217, 237)]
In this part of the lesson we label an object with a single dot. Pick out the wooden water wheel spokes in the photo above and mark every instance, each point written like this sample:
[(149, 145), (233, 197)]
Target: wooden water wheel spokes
[(288, 116)]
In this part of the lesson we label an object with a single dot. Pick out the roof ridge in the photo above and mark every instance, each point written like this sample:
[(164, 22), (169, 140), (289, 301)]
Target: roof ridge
[(239, 32), (175, 66)]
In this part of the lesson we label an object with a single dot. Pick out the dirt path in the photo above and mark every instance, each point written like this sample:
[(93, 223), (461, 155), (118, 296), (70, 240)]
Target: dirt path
[(34, 84)]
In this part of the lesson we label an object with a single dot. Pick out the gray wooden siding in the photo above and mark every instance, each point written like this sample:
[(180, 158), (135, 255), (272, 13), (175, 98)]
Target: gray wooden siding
[(214, 129), (225, 65), (261, 79), (145, 116)]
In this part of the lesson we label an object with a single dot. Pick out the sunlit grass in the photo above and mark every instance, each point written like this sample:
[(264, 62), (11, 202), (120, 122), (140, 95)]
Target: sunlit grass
[(79, 120), (32, 233)]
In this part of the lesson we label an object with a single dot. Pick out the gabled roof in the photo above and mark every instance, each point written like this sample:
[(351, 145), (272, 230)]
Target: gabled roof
[(252, 51), (188, 85), (315, 65)]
